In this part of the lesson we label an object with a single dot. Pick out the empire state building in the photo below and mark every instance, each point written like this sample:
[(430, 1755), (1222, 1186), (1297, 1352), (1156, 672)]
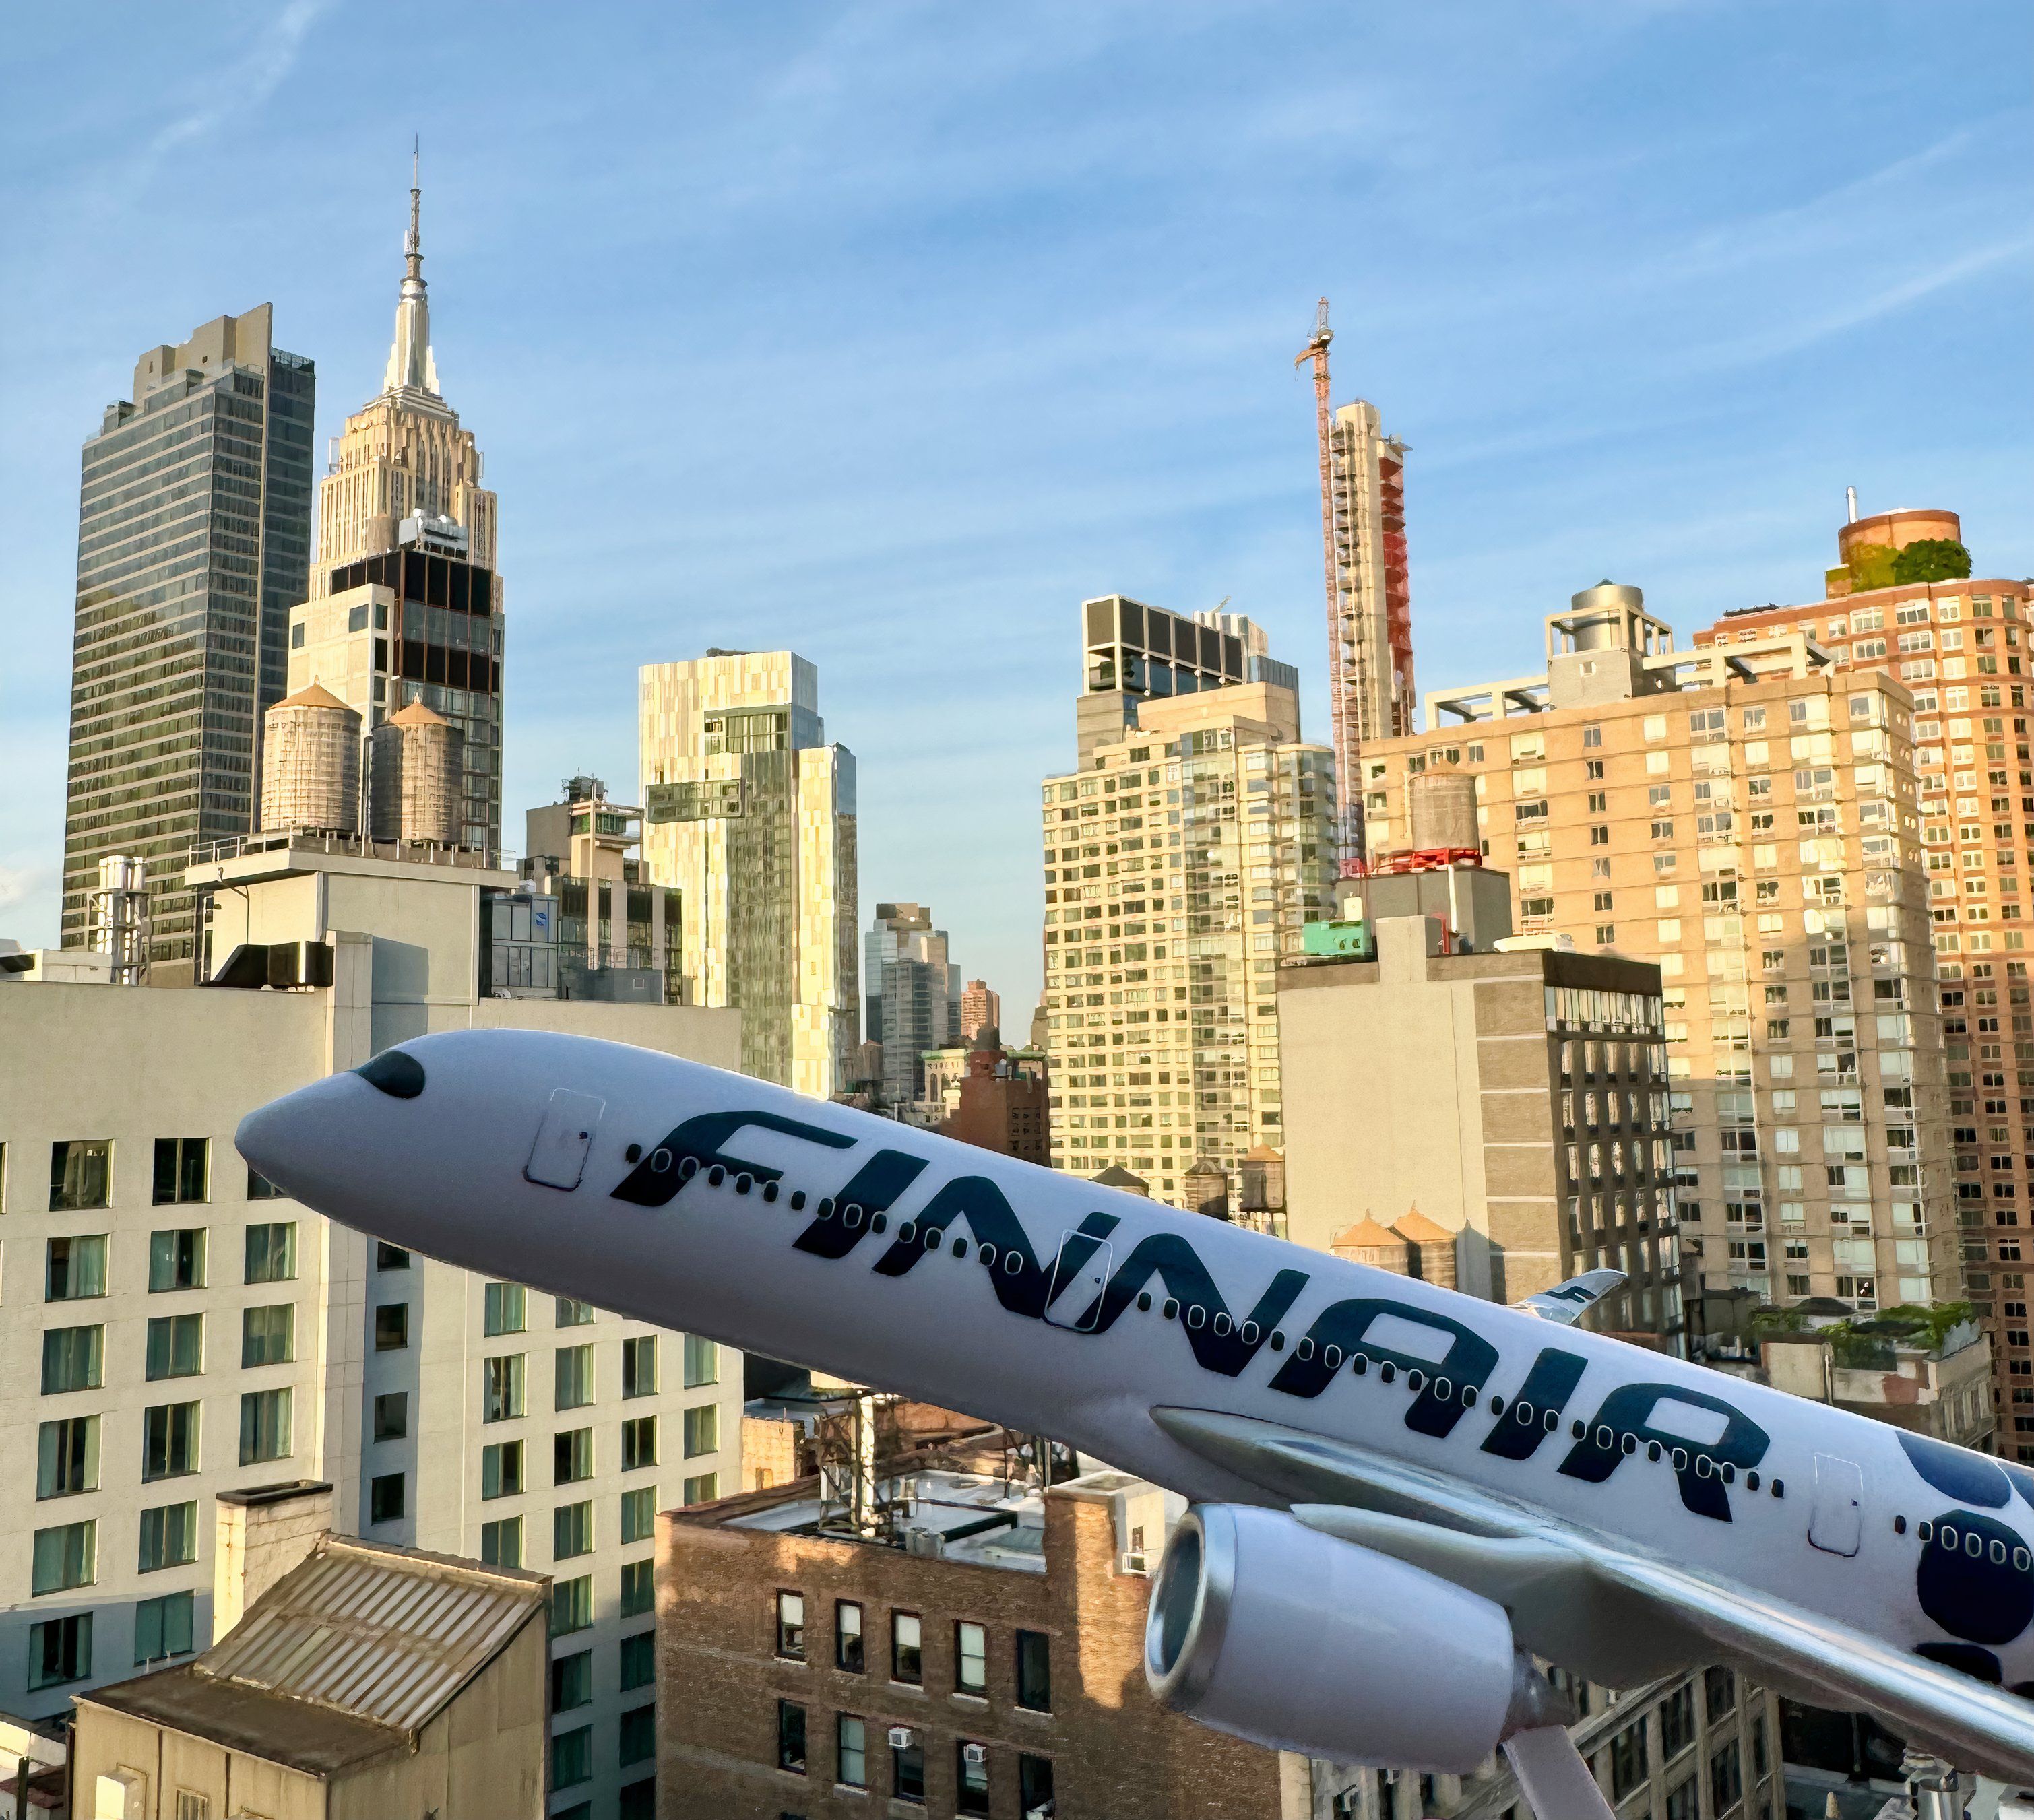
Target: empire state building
[(405, 602)]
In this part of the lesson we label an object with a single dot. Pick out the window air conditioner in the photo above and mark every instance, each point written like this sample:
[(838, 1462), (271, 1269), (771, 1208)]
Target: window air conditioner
[(119, 1795), (1136, 1563), (975, 1753), (900, 1737)]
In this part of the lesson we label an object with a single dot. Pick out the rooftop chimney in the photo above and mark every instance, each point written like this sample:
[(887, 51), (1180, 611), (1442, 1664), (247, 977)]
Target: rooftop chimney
[(263, 1534)]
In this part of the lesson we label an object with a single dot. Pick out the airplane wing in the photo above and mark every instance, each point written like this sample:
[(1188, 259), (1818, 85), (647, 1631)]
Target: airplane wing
[(1565, 1302), (1620, 1618)]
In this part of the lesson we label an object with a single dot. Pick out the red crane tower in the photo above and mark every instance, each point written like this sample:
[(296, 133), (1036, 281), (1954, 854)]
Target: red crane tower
[(1363, 555)]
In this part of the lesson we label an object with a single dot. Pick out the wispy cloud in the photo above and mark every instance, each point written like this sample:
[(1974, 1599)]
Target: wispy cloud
[(1804, 333), (245, 84), (18, 884)]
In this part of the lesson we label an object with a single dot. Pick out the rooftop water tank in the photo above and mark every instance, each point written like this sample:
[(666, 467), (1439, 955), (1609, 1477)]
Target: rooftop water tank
[(1600, 614), (310, 763), (1440, 804), (416, 766)]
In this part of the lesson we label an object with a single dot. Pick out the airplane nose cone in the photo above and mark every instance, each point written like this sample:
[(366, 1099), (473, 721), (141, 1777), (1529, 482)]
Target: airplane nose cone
[(288, 1140)]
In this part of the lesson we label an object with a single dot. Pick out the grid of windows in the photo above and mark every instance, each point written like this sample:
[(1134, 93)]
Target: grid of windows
[(194, 543), (1177, 873)]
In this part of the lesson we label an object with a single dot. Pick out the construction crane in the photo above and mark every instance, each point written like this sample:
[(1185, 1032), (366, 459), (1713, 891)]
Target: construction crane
[(1343, 730)]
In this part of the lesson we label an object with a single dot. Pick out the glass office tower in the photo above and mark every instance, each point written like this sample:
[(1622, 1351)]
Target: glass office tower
[(194, 522)]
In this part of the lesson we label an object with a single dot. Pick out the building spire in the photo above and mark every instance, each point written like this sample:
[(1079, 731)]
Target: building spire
[(410, 367)]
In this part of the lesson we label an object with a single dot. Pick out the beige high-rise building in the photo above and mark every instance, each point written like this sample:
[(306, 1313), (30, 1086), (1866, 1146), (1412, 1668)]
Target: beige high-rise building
[(1964, 648), (405, 600), (1180, 863), (751, 814), (1745, 818)]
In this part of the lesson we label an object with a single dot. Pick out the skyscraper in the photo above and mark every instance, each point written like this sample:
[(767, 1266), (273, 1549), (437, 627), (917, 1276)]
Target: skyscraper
[(979, 1007), (193, 538), (1182, 860), (405, 602), (751, 814), (1744, 816), (913, 995)]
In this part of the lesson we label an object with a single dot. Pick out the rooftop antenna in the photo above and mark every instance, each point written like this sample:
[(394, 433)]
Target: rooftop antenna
[(1850, 493)]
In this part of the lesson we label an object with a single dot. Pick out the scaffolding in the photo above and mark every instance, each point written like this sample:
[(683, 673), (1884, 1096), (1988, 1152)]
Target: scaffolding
[(1371, 692)]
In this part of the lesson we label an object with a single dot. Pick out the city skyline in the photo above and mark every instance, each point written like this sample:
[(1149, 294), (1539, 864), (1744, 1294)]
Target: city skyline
[(1153, 443)]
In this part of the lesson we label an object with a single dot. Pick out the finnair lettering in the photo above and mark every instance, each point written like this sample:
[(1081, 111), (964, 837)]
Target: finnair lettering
[(1447, 1364)]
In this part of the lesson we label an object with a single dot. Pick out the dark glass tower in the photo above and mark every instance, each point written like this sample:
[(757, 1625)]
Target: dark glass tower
[(194, 519)]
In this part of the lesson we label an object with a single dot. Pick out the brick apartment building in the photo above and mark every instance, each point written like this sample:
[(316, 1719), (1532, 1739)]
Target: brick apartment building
[(1965, 648), (986, 1660), (1002, 1104)]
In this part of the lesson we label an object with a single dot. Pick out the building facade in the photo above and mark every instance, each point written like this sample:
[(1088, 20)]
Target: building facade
[(1746, 819), (980, 1008), (1000, 1104), (1371, 691), (1132, 653), (1181, 861), (618, 936), (751, 815), (1964, 648), (176, 1330), (1526, 1097), (406, 597), (194, 528), (912, 996), (362, 1679), (987, 1661), (993, 1667)]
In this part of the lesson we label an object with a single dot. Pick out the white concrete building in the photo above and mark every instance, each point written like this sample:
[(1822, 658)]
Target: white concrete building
[(171, 1329)]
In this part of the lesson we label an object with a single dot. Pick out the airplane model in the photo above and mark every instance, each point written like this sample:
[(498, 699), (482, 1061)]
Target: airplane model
[(1400, 1495)]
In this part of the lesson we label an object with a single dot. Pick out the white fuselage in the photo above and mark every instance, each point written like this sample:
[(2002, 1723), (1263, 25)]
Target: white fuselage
[(1050, 1336)]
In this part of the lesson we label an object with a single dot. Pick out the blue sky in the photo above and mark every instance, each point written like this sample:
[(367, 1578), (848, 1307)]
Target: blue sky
[(890, 331)]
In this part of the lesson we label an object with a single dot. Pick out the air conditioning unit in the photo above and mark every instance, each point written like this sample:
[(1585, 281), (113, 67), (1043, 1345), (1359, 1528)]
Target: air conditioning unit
[(975, 1753), (900, 1737), (120, 1795), (1137, 1563)]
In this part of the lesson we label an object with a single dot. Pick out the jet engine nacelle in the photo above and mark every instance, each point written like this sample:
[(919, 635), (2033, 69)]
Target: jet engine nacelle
[(1265, 1628)]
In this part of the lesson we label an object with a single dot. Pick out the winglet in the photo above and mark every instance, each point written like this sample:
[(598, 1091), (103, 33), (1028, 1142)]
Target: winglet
[(1565, 1302)]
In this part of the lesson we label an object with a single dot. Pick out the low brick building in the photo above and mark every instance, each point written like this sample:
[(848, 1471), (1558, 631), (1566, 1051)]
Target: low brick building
[(1001, 1103), (987, 1660)]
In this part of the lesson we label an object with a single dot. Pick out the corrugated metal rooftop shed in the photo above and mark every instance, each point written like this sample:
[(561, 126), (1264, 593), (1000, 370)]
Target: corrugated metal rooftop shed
[(382, 1633), (376, 1639)]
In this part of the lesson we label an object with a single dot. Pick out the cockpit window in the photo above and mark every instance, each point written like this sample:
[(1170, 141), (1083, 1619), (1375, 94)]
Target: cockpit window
[(394, 1072)]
